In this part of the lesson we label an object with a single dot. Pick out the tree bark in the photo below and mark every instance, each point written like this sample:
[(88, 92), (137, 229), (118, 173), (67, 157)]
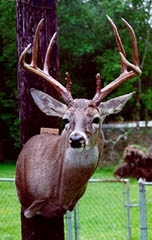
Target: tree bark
[(40, 228), (29, 13)]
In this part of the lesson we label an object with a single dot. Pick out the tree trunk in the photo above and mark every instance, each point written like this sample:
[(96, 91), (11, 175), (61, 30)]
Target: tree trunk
[(29, 13), (40, 228)]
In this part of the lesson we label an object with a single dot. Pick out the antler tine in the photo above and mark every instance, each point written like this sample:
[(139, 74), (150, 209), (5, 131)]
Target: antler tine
[(119, 43), (125, 75), (98, 87), (98, 83), (48, 53), (23, 55), (134, 48), (35, 45), (43, 73), (133, 42), (69, 83)]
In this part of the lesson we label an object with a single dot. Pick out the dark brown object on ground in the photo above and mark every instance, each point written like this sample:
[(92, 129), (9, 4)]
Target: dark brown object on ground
[(137, 164)]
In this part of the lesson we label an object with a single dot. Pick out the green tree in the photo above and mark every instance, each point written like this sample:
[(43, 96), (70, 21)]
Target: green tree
[(8, 62), (87, 45)]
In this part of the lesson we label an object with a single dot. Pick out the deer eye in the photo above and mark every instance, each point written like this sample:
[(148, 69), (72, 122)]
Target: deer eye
[(96, 120), (66, 121)]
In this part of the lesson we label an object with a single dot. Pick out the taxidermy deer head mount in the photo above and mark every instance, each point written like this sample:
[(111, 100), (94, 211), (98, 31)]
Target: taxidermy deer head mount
[(52, 170)]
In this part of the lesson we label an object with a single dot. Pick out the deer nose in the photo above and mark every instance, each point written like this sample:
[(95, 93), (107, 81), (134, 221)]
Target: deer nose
[(77, 141)]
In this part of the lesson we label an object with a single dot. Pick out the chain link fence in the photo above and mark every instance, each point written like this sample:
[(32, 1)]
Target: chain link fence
[(108, 211), (102, 213)]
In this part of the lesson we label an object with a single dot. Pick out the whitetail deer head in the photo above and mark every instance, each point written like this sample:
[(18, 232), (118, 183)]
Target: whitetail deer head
[(52, 171)]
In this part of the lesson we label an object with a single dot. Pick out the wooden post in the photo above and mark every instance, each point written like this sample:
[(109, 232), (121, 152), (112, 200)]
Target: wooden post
[(40, 228), (29, 13)]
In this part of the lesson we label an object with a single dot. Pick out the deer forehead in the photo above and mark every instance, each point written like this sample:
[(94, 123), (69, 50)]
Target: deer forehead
[(81, 108)]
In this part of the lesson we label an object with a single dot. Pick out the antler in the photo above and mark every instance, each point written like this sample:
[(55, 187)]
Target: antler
[(66, 94), (125, 75), (68, 80)]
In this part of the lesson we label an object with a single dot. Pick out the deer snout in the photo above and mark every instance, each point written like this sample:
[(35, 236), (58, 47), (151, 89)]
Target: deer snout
[(77, 141)]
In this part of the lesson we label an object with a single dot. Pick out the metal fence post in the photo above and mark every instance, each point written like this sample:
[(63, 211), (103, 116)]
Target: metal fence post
[(76, 222), (69, 220), (142, 202), (128, 208)]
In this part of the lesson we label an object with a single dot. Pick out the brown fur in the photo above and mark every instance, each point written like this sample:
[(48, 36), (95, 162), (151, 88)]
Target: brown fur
[(51, 174)]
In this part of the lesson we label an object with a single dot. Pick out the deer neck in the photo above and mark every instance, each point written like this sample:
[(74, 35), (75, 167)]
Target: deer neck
[(75, 158)]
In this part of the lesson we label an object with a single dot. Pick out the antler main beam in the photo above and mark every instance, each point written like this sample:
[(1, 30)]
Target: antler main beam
[(66, 94), (125, 75)]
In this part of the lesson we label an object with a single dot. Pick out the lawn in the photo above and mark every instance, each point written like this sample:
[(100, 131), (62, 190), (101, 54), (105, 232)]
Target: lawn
[(9, 207), (102, 214)]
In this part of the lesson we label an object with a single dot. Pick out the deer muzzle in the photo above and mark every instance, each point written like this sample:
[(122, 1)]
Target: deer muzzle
[(77, 141)]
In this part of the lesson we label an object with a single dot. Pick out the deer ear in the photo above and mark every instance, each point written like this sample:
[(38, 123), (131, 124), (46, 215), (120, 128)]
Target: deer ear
[(47, 104), (114, 105)]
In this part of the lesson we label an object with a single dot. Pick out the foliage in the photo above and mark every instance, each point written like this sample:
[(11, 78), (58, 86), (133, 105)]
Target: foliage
[(8, 60), (147, 98), (87, 46)]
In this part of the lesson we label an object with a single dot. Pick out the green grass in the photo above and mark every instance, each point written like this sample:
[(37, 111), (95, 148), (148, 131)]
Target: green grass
[(9, 206), (102, 214), (96, 209), (7, 170)]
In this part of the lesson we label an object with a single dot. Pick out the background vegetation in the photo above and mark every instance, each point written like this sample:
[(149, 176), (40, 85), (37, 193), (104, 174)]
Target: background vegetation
[(87, 46)]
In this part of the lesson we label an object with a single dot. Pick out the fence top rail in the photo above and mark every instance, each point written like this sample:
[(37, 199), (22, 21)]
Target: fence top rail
[(128, 124), (92, 180), (143, 182), (7, 179), (122, 180)]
